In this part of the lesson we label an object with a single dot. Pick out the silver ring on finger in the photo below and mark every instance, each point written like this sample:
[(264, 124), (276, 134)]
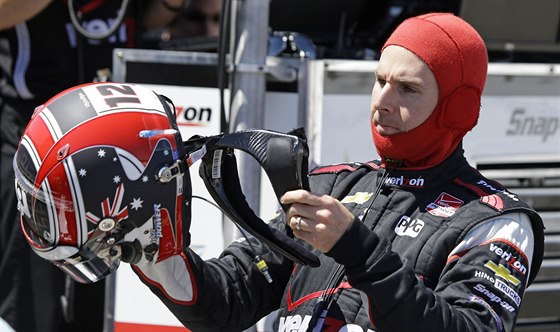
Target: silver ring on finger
[(298, 223)]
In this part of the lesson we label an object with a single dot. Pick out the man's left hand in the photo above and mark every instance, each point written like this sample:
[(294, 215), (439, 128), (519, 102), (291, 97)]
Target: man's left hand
[(318, 220)]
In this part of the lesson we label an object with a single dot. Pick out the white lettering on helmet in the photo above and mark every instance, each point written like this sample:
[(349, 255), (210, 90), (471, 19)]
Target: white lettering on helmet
[(156, 233)]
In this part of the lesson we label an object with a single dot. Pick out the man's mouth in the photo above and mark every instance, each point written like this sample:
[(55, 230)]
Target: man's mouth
[(386, 129)]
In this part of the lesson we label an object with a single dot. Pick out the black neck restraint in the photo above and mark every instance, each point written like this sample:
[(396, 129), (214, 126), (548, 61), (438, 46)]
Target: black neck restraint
[(284, 158)]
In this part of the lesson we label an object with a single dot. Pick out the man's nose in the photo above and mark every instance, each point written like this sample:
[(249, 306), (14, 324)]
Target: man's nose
[(383, 97)]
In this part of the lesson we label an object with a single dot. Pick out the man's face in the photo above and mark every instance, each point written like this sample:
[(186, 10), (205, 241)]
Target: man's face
[(203, 18), (405, 92)]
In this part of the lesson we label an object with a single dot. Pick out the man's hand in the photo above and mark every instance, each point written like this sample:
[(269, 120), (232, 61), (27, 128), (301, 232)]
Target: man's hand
[(13, 12), (318, 220)]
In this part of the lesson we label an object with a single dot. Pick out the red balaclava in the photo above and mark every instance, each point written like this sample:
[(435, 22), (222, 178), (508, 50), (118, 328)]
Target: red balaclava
[(457, 56)]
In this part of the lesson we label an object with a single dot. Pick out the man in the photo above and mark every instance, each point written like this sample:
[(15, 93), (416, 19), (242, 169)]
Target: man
[(171, 20), (419, 241)]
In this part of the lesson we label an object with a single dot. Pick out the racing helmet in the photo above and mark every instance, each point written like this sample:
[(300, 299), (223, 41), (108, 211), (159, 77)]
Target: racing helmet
[(100, 177)]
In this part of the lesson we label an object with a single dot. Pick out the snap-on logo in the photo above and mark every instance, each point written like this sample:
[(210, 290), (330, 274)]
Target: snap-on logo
[(494, 298), (405, 182), (444, 206), (521, 124), (497, 319), (407, 227), (509, 258)]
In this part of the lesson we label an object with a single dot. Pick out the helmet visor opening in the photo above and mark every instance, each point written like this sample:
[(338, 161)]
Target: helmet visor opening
[(84, 268), (41, 207)]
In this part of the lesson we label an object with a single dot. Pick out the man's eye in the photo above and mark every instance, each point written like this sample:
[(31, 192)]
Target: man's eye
[(381, 81), (408, 89)]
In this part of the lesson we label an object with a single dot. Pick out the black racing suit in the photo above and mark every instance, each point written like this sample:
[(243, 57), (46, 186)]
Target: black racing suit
[(441, 249)]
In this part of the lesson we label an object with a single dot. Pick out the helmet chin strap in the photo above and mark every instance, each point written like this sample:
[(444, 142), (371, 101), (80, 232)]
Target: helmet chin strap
[(284, 159)]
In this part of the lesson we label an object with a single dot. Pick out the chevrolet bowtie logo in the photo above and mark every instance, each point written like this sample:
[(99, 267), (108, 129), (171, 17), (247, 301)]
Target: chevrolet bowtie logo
[(502, 272), (358, 198)]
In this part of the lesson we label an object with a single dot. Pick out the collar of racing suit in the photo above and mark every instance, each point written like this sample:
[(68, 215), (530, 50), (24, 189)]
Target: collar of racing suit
[(434, 177)]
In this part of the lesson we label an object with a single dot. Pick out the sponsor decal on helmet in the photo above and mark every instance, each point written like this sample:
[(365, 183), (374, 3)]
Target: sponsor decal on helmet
[(84, 99), (408, 227), (156, 232), (444, 206)]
